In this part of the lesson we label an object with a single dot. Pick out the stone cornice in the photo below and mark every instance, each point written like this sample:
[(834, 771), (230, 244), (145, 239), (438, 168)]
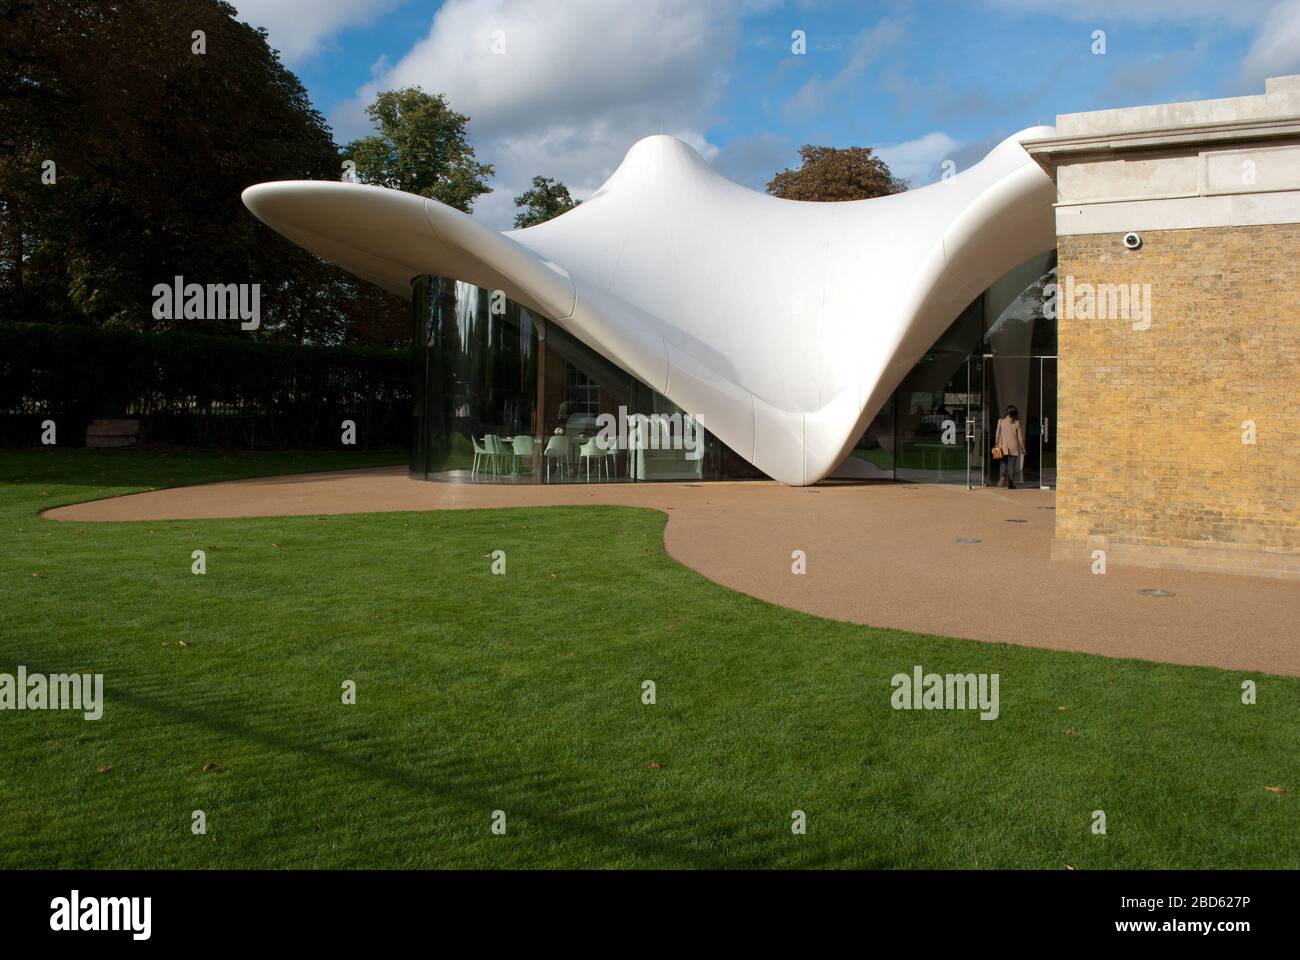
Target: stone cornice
[(1049, 152)]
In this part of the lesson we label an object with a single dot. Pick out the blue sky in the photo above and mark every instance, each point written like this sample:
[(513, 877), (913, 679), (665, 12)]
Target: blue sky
[(565, 87)]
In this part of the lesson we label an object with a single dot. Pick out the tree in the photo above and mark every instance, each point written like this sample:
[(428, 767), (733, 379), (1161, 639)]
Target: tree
[(829, 174), (152, 142), (422, 147), (545, 201)]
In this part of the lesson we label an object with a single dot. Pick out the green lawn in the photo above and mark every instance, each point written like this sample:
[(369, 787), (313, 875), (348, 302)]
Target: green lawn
[(522, 693)]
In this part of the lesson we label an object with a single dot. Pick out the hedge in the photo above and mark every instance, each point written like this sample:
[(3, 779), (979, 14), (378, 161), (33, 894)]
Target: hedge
[(198, 390)]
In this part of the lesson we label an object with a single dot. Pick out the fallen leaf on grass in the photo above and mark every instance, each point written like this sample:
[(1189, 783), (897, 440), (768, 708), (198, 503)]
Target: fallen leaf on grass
[(652, 765), (209, 767), (1275, 790), (1070, 732), (181, 643), (105, 768)]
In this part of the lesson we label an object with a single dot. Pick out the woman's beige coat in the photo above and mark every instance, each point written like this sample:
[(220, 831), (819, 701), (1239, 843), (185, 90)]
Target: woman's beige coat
[(1011, 437)]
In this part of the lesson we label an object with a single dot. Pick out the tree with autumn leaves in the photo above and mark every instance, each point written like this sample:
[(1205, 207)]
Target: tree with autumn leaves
[(833, 174)]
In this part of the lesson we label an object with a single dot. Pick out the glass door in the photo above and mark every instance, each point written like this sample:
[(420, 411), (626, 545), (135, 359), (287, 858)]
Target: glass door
[(976, 422), (1011, 382), (1029, 385), (932, 406), (1047, 423)]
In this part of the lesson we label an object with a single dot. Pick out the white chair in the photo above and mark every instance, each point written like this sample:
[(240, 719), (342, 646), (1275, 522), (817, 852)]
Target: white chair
[(501, 456), (595, 449), (560, 448), (525, 447), (481, 454)]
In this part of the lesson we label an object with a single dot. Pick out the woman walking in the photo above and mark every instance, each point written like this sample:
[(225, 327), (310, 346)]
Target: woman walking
[(1010, 440)]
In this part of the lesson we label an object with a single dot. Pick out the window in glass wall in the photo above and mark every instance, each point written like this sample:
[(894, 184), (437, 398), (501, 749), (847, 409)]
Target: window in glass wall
[(1020, 330), (505, 396), (991, 355), (933, 403)]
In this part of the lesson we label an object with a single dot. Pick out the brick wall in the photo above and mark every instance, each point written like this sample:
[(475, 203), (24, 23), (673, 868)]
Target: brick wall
[(1150, 443)]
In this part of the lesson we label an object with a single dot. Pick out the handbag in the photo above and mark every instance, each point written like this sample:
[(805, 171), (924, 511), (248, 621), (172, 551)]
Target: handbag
[(997, 453)]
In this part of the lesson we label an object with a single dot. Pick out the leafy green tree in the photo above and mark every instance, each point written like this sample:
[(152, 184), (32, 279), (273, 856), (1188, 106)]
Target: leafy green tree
[(828, 174), (545, 201), (153, 138), (422, 147)]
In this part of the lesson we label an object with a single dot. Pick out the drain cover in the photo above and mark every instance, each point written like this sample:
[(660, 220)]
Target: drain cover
[(1153, 592), (968, 540), (1017, 521)]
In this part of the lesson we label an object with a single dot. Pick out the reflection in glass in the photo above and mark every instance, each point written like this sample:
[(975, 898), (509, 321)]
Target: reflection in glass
[(505, 396), (938, 424)]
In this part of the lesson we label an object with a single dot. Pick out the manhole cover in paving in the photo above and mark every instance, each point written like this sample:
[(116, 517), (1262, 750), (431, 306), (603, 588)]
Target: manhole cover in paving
[(968, 540), (1017, 521), (1154, 592)]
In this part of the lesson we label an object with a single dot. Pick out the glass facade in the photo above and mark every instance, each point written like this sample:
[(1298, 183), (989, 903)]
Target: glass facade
[(939, 424), (505, 396)]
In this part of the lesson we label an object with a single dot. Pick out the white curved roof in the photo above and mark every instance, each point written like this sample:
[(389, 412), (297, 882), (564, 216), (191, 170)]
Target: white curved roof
[(783, 325)]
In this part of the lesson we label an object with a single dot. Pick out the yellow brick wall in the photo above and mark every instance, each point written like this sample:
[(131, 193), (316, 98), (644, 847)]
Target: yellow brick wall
[(1150, 447)]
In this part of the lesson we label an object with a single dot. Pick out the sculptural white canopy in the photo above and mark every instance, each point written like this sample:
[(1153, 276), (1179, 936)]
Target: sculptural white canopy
[(784, 326)]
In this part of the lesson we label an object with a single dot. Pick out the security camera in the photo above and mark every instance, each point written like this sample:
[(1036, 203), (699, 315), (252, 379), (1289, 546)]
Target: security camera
[(1132, 241)]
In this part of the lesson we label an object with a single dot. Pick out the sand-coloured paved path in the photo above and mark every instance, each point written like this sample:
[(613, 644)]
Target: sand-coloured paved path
[(880, 554)]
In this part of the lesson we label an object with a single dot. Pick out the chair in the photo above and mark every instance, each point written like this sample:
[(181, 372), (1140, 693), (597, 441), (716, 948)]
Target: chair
[(525, 446), (595, 449), (501, 457), (559, 448), (482, 454)]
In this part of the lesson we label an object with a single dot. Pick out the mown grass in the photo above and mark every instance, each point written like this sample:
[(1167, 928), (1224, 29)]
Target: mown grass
[(522, 693)]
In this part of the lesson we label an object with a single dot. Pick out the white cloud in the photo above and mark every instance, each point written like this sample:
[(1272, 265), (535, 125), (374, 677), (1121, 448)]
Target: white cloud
[(918, 160), (300, 33), (866, 48), (1275, 24), (1276, 51), (572, 87), (1237, 12)]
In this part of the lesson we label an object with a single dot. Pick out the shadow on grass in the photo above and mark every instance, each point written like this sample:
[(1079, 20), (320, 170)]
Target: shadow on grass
[(463, 782)]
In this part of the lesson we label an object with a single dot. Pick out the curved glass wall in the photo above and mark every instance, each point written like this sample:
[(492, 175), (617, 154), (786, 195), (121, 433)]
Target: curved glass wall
[(1000, 351), (506, 396), (503, 395)]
